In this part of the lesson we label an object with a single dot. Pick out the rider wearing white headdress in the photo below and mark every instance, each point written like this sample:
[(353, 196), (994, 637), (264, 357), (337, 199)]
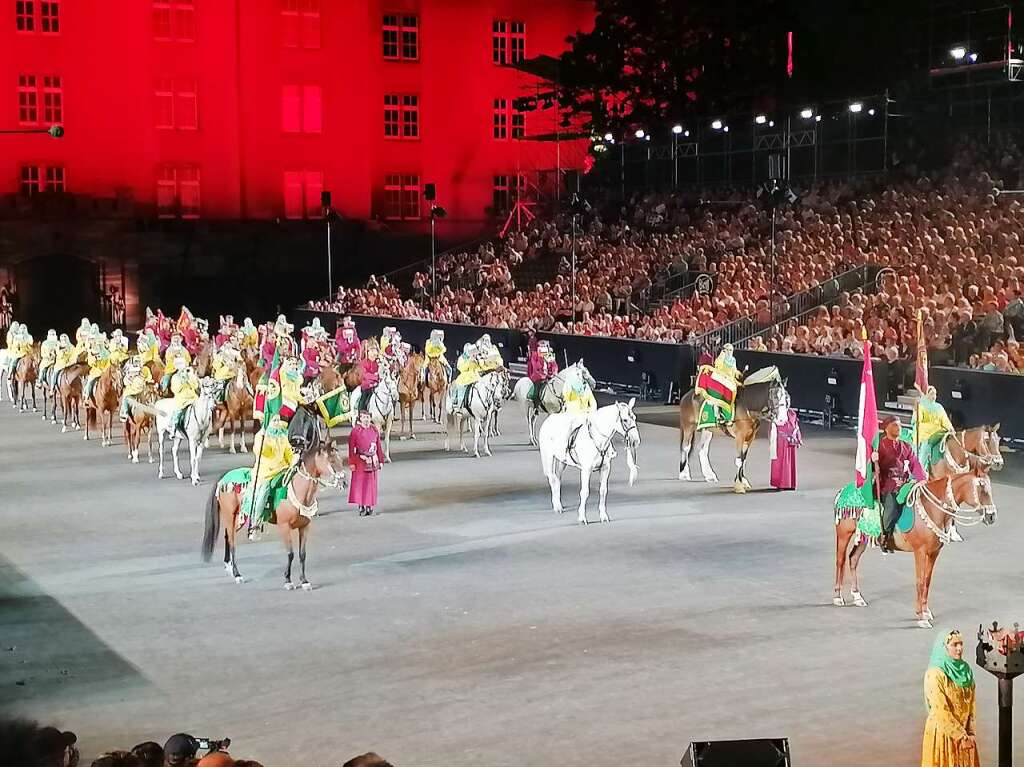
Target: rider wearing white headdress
[(434, 349), (65, 357), (48, 355), (184, 385), (488, 355), (250, 334), (469, 374), (579, 399)]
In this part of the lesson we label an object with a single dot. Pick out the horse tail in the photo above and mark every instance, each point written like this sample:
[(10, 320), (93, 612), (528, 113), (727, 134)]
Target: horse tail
[(212, 522), (147, 409)]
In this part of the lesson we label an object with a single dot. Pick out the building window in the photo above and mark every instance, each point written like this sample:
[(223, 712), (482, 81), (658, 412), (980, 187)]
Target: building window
[(401, 37), (36, 179), (505, 191), (28, 100), (401, 116), (30, 183), (302, 190), (506, 116), (174, 20), (177, 191), (49, 17), (53, 100), (508, 42), (25, 16), (300, 23), (177, 104), (54, 178), (401, 197), (301, 110)]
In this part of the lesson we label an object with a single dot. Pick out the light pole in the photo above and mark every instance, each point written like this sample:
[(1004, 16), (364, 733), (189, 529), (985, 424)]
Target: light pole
[(325, 205), (436, 212), (577, 205)]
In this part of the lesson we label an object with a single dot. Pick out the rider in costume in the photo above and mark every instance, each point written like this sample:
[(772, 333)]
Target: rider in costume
[(184, 386), (488, 355), (385, 340), (434, 349), (225, 366), (370, 368), (346, 341), (65, 357), (579, 399), (897, 464), (274, 455), (99, 361), (250, 334), (117, 348), (929, 425), (718, 386), (136, 379), (148, 347), (469, 374), (48, 355), (175, 350), (313, 331), (541, 367), (226, 330), (22, 345), (83, 332), (392, 354)]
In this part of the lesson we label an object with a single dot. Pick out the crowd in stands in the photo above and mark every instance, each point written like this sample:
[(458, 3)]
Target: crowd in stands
[(950, 248), (25, 744)]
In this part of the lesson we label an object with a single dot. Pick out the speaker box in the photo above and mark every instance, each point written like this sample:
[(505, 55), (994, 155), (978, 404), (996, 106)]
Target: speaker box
[(325, 199), (763, 752), (429, 192)]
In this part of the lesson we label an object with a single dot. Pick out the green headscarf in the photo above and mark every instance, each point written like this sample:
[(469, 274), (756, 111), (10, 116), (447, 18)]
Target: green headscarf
[(959, 672)]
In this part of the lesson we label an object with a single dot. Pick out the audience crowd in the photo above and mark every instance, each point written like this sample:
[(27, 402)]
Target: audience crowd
[(948, 245), (25, 744)]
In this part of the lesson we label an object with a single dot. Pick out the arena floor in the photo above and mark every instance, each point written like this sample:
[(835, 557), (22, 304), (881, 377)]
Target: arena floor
[(468, 624)]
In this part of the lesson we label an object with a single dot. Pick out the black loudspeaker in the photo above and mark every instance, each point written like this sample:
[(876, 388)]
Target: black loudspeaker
[(763, 752), (325, 198), (429, 192)]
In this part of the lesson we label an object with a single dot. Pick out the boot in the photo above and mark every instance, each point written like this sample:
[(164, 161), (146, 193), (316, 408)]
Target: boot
[(887, 543)]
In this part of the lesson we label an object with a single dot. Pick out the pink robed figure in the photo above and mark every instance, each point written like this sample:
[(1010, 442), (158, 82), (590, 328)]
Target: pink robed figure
[(784, 440), (364, 455)]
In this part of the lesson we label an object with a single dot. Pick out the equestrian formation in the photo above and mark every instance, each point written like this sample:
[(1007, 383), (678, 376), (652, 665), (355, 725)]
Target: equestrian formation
[(284, 391)]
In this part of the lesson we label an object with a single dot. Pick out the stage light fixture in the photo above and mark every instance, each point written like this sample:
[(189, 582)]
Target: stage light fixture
[(760, 119), (725, 129), (958, 52), (716, 124), (686, 134), (608, 137), (972, 57), (871, 111), (807, 113), (817, 118), (677, 129), (856, 107), (639, 133), (771, 123)]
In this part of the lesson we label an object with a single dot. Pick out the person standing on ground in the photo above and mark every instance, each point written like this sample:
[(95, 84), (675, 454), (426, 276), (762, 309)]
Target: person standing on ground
[(784, 440), (364, 454), (949, 732)]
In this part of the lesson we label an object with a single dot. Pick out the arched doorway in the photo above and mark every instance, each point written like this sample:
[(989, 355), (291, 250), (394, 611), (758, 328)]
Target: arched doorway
[(56, 291)]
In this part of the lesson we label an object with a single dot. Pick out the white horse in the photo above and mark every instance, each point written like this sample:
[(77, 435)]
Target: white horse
[(382, 407), (197, 422), (483, 401), (552, 400), (585, 442), (6, 381)]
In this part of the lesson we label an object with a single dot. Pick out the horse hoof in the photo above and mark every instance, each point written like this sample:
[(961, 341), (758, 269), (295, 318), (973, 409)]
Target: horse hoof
[(924, 624), (738, 487), (307, 586), (859, 600), (135, 459), (289, 586), (711, 480), (838, 601), (151, 460), (239, 579), (927, 615), (584, 522), (179, 476), (63, 429), (195, 482), (559, 510), (606, 518)]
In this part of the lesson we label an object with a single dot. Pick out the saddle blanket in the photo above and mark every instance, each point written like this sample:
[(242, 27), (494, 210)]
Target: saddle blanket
[(237, 480)]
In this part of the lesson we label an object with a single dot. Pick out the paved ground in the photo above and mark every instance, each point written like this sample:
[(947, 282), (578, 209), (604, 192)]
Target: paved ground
[(468, 625)]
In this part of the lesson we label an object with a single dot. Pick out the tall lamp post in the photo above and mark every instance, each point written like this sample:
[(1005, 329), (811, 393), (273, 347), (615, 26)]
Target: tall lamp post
[(577, 206), (436, 212), (325, 205)]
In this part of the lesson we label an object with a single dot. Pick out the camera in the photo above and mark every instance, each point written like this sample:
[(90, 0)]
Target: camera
[(210, 744)]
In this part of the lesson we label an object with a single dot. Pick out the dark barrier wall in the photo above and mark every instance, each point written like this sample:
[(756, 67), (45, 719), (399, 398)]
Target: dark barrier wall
[(987, 398), (807, 378)]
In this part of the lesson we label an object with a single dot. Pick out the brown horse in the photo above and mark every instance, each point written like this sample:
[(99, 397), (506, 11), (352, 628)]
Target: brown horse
[(410, 391), (26, 372), (754, 403), (236, 409), (69, 395), (203, 362), (436, 389), (105, 401), (967, 449), (140, 421), (321, 465), (965, 499)]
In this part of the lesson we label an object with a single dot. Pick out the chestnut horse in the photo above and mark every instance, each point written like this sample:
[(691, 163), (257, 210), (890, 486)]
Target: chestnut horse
[(69, 394), (965, 499), (436, 388), (236, 409), (410, 391), (105, 401), (26, 373), (321, 465), (967, 449), (140, 420)]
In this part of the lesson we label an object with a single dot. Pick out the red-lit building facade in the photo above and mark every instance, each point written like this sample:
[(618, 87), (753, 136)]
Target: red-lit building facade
[(248, 109)]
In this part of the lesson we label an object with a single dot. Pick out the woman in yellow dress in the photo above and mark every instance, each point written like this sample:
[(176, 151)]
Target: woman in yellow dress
[(949, 733)]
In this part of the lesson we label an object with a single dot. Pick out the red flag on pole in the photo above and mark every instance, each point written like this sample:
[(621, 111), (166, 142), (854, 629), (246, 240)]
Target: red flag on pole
[(921, 373), (789, 57), (867, 418)]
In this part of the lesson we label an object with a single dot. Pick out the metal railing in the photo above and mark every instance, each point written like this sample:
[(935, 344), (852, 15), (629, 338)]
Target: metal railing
[(740, 332)]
